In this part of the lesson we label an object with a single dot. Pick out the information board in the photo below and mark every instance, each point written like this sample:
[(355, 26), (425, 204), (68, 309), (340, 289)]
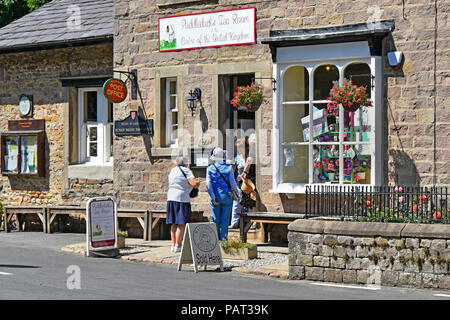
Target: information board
[(201, 246), (101, 214)]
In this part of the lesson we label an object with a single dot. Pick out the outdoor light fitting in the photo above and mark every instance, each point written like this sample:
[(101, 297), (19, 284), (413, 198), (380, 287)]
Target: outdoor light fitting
[(194, 96)]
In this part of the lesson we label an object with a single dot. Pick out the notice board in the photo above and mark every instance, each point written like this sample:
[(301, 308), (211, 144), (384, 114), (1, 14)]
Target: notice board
[(201, 246)]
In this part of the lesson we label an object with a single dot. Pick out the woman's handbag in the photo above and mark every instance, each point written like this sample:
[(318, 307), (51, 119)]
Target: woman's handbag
[(194, 191), (234, 195)]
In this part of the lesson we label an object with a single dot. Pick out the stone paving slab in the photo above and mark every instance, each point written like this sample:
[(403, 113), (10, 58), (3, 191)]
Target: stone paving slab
[(158, 251)]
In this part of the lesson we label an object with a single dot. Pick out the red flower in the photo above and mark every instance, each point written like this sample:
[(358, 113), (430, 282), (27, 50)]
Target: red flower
[(415, 207), (368, 203), (437, 215)]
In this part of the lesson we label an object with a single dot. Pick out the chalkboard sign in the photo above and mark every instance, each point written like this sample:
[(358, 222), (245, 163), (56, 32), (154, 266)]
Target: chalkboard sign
[(201, 246), (133, 125)]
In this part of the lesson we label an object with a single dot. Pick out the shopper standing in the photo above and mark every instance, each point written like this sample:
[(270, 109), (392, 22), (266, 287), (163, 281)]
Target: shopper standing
[(222, 190), (181, 182)]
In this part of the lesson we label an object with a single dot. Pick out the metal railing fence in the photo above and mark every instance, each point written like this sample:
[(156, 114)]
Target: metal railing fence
[(384, 204)]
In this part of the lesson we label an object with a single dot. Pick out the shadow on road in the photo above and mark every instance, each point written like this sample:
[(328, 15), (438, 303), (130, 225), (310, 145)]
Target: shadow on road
[(17, 266)]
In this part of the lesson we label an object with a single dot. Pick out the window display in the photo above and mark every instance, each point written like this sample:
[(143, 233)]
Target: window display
[(338, 146)]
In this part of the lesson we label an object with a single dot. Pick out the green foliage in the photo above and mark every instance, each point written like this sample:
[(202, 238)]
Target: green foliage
[(11, 10), (235, 244), (121, 233), (1, 210)]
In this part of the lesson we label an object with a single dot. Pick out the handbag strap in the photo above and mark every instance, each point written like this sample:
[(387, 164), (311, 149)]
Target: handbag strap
[(229, 186), (184, 174)]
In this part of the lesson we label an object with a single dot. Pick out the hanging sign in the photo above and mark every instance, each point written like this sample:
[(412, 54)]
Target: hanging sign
[(133, 125), (101, 221), (201, 246), (208, 29), (115, 90)]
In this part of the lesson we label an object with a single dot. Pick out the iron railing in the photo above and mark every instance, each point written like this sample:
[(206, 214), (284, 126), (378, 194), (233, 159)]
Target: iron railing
[(384, 204)]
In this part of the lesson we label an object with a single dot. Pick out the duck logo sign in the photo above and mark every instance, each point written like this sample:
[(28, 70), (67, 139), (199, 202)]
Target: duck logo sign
[(201, 246)]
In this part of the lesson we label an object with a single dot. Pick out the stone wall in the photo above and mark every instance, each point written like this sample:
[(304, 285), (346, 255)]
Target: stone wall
[(408, 108), (38, 73), (386, 254)]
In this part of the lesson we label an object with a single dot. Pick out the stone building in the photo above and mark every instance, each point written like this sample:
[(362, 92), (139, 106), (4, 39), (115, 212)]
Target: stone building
[(58, 56), (294, 49)]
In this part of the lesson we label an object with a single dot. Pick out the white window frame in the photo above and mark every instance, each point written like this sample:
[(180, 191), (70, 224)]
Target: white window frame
[(104, 156), (311, 57), (170, 140)]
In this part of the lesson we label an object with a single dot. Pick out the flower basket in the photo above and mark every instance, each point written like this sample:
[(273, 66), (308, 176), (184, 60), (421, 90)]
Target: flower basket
[(236, 250), (248, 98), (350, 96)]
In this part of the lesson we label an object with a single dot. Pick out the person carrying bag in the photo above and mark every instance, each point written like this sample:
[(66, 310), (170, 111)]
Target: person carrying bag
[(221, 191), (178, 212)]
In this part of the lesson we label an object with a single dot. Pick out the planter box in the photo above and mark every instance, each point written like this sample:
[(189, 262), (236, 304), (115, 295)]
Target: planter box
[(120, 242), (239, 253)]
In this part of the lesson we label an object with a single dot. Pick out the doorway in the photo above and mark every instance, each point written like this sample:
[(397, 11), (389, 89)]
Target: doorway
[(241, 123)]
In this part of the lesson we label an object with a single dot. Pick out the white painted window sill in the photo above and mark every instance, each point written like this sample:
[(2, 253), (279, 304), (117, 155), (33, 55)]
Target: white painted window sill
[(91, 171)]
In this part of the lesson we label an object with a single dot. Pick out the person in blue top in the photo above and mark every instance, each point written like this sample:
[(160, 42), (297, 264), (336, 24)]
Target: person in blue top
[(222, 190)]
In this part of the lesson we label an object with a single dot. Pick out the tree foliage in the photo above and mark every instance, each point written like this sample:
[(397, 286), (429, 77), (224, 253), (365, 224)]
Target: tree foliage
[(11, 10)]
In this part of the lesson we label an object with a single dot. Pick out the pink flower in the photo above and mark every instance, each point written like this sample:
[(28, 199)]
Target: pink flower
[(400, 189), (400, 199)]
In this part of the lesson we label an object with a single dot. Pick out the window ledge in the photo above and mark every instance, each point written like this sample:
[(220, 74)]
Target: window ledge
[(166, 151), (289, 188), (89, 171)]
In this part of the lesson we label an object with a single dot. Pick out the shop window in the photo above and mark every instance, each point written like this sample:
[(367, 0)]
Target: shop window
[(336, 148), (95, 127)]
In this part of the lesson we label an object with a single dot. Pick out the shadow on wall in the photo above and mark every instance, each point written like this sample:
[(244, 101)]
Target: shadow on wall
[(403, 170)]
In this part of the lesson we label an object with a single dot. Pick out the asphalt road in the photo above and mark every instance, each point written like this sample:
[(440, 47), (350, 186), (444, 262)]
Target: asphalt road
[(32, 266)]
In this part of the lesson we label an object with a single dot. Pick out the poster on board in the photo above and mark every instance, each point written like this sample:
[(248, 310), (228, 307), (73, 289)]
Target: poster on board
[(201, 246), (101, 214)]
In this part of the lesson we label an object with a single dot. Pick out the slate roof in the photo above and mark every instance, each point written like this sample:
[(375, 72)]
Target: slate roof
[(52, 26)]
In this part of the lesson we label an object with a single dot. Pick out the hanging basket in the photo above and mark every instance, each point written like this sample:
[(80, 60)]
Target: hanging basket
[(254, 106), (353, 108)]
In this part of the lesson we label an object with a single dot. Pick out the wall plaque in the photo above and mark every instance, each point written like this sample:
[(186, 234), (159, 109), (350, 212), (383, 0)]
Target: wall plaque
[(133, 125)]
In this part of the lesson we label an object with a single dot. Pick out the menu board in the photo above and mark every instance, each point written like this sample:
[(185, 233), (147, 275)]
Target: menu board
[(102, 222)]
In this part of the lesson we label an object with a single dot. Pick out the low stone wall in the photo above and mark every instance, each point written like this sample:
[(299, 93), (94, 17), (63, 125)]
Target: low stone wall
[(386, 254)]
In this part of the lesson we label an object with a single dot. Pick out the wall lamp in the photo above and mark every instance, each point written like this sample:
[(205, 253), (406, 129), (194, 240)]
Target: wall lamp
[(193, 96)]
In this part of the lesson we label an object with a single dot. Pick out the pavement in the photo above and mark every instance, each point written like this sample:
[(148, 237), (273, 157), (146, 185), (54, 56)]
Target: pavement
[(158, 251)]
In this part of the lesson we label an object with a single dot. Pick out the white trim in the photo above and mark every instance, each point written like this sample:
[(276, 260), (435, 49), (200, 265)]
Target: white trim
[(102, 126), (170, 141)]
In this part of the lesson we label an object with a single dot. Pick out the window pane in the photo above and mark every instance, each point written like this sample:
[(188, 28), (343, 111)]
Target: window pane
[(296, 84), (323, 80), (173, 87), (359, 74), (174, 117), (292, 117), (326, 164), (11, 154), (111, 140), (28, 154), (357, 125), (93, 149), (90, 106), (173, 102), (360, 168), (93, 134), (295, 164)]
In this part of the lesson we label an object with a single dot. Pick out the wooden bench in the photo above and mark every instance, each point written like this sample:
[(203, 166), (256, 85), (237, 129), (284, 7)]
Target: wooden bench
[(10, 211), (267, 219), (148, 219), (54, 211)]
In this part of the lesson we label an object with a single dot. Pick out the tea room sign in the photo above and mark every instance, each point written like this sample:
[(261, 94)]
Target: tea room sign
[(206, 30)]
